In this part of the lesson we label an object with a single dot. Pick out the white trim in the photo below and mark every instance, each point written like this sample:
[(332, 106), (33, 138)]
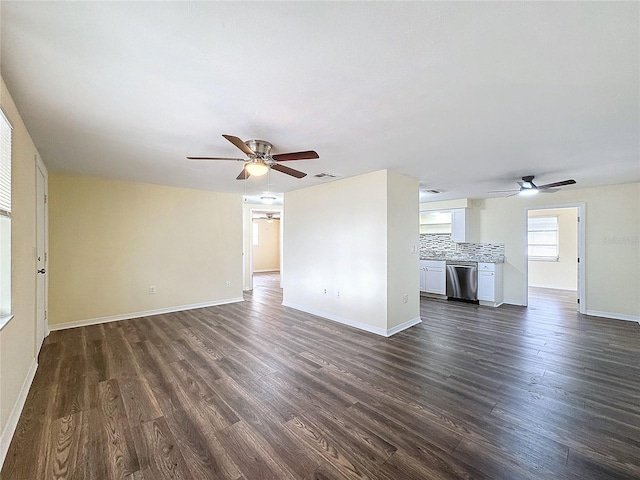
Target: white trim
[(487, 303), (40, 166), (614, 316), (16, 411), (336, 318), (352, 323), (403, 326), (512, 301), (582, 254), (4, 321), (147, 313), (555, 288)]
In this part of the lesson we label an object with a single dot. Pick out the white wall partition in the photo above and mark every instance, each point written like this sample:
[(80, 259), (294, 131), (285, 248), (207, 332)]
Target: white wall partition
[(339, 246)]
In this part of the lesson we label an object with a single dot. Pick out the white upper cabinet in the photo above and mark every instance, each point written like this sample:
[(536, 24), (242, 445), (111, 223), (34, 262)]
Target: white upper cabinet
[(463, 225)]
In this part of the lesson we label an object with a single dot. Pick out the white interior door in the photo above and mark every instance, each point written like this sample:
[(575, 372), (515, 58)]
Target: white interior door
[(41, 255)]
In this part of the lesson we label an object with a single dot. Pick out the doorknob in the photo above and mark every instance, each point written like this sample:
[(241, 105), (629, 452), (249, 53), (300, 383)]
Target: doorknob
[(42, 271)]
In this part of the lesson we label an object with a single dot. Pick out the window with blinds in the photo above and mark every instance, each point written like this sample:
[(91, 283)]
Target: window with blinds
[(5, 220), (543, 238)]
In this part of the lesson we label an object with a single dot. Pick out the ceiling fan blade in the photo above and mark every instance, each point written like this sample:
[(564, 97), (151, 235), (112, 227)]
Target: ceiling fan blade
[(289, 171), (283, 157), (217, 158), (556, 184), (240, 144), (243, 175)]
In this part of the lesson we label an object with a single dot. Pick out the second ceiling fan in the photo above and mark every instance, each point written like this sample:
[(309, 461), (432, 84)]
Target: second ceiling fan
[(260, 158), (528, 188)]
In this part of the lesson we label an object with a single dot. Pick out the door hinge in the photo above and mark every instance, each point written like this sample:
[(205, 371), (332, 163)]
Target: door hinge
[(45, 257), (578, 259), (45, 314), (578, 300), (45, 199)]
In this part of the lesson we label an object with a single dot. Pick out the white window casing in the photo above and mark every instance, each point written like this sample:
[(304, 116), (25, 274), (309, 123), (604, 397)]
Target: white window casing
[(543, 238), (5, 220)]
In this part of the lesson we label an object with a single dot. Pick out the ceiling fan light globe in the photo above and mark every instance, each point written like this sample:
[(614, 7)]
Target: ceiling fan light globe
[(256, 169), (528, 192), (268, 199)]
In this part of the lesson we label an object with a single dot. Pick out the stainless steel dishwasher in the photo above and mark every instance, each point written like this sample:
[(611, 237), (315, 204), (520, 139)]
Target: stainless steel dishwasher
[(462, 280)]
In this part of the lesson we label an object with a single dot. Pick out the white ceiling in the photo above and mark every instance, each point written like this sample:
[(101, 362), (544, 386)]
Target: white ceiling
[(465, 97)]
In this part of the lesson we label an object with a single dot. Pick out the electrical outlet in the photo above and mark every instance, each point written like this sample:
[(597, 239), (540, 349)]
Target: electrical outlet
[(405, 298), (325, 291), (152, 290), (338, 293), (228, 283)]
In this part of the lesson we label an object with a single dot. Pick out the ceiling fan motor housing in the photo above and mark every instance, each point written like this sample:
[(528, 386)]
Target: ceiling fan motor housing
[(260, 147), (527, 183)]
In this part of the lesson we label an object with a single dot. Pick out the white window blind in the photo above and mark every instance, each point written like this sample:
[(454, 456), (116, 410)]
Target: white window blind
[(5, 166), (5, 220), (543, 238)]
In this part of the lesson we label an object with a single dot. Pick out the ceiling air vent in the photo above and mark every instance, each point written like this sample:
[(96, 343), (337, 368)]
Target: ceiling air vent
[(325, 175)]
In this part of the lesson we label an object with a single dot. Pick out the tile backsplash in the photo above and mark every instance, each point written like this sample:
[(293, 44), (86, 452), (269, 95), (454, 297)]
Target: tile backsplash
[(441, 242)]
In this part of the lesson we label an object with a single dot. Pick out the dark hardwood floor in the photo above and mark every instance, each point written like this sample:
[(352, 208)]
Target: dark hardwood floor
[(257, 391)]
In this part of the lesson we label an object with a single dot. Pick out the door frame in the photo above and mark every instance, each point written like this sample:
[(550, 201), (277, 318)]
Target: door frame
[(581, 206), (42, 325), (247, 267)]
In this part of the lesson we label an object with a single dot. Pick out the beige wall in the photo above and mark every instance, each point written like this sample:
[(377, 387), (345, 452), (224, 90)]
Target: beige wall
[(266, 255), (109, 241), (17, 339), (562, 274), (403, 260), (612, 261), (337, 239)]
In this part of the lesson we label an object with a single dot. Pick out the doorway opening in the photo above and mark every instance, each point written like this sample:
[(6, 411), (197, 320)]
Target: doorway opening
[(266, 248), (555, 247)]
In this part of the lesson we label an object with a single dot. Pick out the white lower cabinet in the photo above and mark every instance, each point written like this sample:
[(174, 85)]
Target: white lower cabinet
[(490, 284), (433, 276)]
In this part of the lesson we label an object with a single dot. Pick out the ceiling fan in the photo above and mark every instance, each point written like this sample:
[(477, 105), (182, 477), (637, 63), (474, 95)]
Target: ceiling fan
[(528, 188), (261, 160)]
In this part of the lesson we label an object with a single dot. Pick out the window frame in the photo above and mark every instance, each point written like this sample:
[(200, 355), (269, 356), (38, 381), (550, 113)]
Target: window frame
[(6, 304), (556, 244)]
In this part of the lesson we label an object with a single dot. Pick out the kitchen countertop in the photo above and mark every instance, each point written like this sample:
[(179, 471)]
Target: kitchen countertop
[(463, 258)]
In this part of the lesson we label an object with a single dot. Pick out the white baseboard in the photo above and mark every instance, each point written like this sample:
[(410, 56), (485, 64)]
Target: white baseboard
[(511, 301), (403, 326), (16, 411), (353, 323), (147, 313), (615, 316), (485, 303), (564, 289)]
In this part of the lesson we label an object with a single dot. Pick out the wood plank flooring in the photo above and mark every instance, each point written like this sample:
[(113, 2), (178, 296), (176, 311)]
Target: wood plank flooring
[(257, 391)]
